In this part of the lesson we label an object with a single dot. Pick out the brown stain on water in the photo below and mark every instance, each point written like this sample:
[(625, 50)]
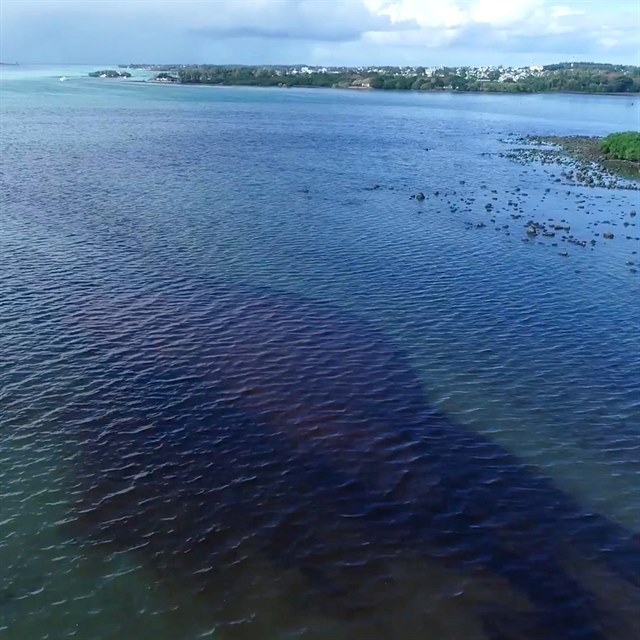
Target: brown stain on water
[(349, 584)]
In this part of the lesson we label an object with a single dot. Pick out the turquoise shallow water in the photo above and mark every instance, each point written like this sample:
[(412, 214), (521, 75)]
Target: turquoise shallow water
[(250, 389)]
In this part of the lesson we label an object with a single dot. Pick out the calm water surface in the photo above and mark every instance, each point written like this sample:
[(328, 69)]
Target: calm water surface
[(250, 389)]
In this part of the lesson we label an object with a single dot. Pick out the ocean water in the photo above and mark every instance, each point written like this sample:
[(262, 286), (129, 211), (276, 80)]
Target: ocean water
[(249, 388)]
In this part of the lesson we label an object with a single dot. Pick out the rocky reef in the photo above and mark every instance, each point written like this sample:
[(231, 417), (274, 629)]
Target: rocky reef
[(584, 160)]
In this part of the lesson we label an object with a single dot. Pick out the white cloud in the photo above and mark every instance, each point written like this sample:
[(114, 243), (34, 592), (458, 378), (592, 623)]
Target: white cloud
[(260, 30), (425, 13), (562, 11), (508, 24), (502, 14)]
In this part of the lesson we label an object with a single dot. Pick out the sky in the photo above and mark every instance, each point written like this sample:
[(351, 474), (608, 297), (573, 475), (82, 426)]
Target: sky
[(320, 32)]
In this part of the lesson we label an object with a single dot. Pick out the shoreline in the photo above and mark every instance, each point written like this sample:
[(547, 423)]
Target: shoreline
[(587, 149), (585, 163), (371, 89)]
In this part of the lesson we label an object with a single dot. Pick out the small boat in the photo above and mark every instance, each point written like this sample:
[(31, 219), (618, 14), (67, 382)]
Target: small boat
[(63, 78)]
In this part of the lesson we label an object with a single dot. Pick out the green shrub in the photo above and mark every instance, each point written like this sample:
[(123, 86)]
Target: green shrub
[(622, 146)]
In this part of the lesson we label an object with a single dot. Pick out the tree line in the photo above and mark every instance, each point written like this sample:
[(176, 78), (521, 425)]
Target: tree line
[(590, 79)]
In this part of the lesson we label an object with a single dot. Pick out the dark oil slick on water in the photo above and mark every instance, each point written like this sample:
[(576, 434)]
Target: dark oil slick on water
[(286, 427), (250, 388)]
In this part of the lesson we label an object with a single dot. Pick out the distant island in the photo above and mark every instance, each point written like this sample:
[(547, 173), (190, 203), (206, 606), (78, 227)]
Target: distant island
[(580, 77), (109, 73)]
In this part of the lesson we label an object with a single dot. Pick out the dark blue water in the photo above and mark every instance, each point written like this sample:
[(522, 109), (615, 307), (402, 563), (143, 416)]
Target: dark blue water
[(250, 389)]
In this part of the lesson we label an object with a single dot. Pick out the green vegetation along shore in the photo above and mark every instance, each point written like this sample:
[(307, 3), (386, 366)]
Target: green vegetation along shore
[(622, 146), (562, 77)]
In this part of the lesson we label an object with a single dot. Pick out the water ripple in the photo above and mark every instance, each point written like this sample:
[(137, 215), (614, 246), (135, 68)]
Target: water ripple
[(244, 394)]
